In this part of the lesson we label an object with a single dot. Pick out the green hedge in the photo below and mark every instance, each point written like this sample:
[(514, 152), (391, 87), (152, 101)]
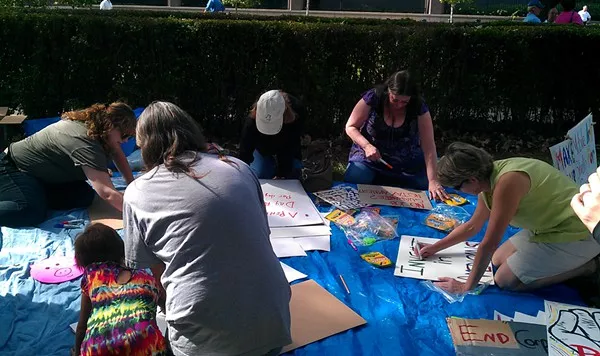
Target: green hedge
[(481, 79)]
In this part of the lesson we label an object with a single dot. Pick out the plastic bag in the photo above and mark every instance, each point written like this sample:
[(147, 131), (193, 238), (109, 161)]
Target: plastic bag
[(369, 227), (135, 160), (452, 297), (446, 218)]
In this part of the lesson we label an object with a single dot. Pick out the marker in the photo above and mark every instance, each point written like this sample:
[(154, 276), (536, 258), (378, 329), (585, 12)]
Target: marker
[(418, 251), (67, 226), (352, 244), (345, 285), (76, 221), (385, 163)]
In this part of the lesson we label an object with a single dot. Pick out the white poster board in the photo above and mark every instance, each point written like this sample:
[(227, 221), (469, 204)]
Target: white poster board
[(576, 156), (392, 196), (572, 330), (288, 204), (454, 262)]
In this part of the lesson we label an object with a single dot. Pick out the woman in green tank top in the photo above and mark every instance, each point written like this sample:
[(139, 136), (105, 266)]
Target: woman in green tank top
[(553, 245)]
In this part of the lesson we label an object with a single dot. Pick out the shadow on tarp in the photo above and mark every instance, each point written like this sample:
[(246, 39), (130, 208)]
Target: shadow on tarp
[(35, 321), (35, 317)]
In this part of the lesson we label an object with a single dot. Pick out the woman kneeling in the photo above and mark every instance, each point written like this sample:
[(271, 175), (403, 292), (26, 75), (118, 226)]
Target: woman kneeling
[(553, 245)]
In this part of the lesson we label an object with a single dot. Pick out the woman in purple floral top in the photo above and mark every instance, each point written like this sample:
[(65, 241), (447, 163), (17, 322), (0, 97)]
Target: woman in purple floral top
[(392, 123)]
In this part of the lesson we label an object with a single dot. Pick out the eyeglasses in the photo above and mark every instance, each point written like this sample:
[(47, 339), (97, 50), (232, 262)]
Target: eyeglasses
[(459, 187)]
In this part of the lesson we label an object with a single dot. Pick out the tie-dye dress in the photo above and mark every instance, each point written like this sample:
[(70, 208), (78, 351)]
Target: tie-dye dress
[(123, 319)]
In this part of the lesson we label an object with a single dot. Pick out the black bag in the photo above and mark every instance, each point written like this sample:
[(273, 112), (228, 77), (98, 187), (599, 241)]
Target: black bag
[(317, 173)]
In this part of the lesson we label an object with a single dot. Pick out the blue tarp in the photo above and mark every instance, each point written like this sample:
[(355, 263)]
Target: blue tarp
[(404, 318)]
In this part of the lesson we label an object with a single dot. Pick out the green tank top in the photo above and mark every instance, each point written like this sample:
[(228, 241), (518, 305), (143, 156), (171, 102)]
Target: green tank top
[(546, 209)]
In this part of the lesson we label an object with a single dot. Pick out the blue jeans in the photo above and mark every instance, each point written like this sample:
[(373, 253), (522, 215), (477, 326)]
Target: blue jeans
[(360, 173), (265, 167), (25, 200)]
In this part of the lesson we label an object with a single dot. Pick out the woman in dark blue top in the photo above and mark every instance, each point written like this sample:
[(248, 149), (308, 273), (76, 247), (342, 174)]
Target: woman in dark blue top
[(393, 139)]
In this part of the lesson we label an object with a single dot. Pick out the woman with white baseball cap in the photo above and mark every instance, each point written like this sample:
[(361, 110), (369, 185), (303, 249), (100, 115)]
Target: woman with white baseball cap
[(270, 141)]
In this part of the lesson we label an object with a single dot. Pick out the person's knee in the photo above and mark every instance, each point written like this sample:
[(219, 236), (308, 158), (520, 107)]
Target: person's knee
[(263, 166), (497, 259), (21, 214), (358, 173), (505, 279)]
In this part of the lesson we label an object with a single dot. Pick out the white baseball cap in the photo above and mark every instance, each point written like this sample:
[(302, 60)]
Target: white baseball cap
[(269, 112)]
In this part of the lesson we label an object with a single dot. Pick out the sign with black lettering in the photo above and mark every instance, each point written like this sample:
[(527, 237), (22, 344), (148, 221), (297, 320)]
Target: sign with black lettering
[(454, 262)]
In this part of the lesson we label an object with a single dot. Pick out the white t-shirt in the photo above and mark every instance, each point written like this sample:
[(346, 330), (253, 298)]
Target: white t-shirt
[(226, 291), (106, 5), (585, 16)]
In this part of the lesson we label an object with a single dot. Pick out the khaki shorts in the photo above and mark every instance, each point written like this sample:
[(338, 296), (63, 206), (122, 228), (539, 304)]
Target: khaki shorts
[(537, 260)]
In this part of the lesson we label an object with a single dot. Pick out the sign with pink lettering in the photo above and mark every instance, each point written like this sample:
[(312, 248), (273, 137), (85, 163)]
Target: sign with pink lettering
[(454, 262), (576, 156), (392, 196), (288, 204)]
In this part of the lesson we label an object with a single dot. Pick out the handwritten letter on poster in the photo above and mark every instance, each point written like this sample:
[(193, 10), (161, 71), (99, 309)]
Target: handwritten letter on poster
[(454, 262), (288, 204), (576, 156), (380, 195)]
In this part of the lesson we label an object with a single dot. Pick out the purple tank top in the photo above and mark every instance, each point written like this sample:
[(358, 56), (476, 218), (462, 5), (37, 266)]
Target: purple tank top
[(400, 146)]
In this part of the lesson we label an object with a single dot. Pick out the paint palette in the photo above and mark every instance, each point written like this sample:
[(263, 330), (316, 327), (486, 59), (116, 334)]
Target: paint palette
[(55, 270)]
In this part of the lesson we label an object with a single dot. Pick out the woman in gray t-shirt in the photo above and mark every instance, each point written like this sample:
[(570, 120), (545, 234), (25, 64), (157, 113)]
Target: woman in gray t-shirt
[(50, 169), (198, 221)]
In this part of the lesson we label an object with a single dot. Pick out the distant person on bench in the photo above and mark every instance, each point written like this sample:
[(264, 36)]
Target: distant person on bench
[(585, 15), (534, 7), (49, 169), (552, 14), (569, 15), (214, 6)]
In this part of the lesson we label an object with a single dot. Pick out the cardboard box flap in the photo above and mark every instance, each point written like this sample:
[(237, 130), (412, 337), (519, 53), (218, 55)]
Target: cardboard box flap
[(13, 120), (102, 212), (316, 314)]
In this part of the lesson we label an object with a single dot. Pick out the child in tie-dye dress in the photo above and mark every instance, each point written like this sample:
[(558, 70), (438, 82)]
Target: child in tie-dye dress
[(118, 305)]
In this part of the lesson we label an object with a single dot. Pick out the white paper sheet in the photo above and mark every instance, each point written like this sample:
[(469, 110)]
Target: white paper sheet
[(309, 243), (500, 316), (292, 274), (161, 322), (454, 262), (525, 318), (542, 316), (327, 222), (287, 248), (300, 231), (288, 204)]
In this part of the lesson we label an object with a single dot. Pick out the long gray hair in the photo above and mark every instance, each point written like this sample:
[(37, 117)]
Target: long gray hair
[(164, 132)]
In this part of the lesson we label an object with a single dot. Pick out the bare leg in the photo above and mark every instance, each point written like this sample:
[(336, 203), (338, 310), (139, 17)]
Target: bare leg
[(506, 279), (503, 253)]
